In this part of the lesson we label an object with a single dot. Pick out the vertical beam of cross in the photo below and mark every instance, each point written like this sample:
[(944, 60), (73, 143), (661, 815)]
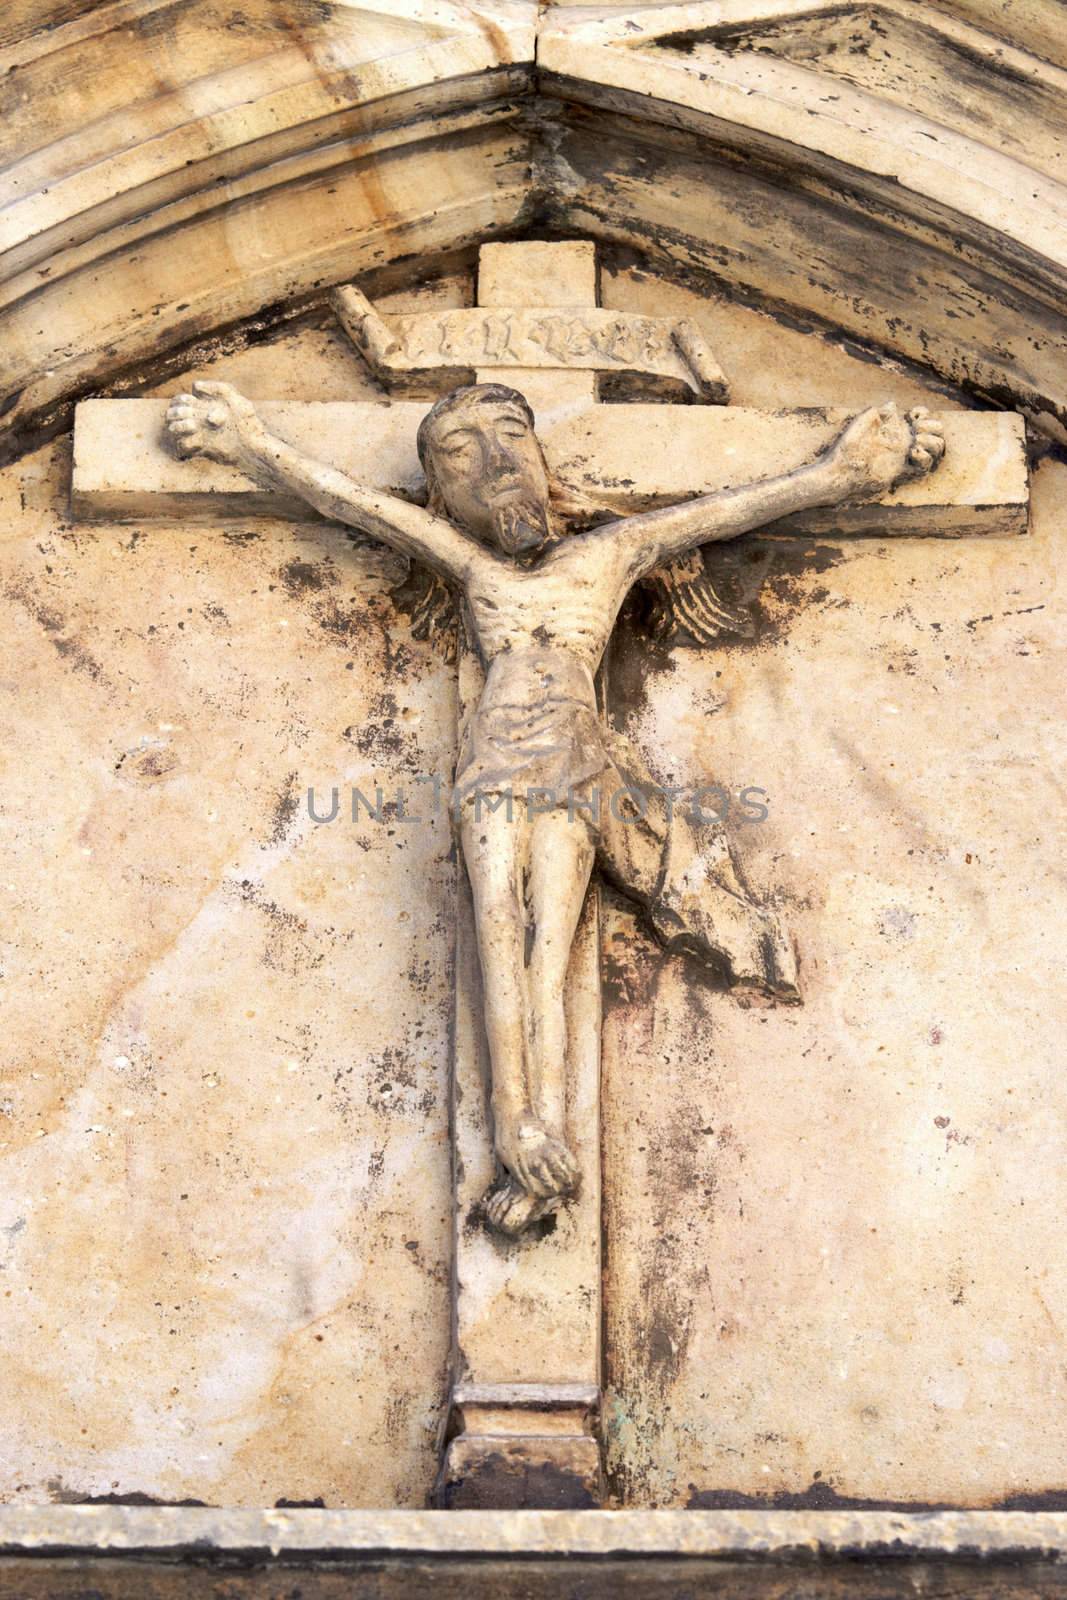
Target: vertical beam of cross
[(526, 1316)]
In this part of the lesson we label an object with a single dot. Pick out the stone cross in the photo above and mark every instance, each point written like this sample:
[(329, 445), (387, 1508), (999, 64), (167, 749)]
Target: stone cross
[(526, 1360)]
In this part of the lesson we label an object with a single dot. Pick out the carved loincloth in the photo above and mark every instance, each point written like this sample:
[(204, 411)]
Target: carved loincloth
[(537, 728)]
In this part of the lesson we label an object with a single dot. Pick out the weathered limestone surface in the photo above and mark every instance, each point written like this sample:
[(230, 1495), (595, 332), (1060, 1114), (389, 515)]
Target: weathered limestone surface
[(226, 1160), (859, 1253), (831, 1231)]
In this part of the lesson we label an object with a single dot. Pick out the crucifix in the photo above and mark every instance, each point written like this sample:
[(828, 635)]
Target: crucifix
[(540, 508)]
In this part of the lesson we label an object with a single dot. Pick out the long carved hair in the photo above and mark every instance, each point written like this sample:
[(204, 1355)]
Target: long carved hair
[(678, 602)]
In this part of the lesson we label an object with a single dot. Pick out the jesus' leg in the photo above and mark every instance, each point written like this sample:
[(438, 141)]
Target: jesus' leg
[(496, 852), (561, 860)]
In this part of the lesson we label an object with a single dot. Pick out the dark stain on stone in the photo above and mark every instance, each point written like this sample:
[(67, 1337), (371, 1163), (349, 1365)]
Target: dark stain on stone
[(790, 567), (304, 577), (762, 579), (56, 630), (285, 808), (148, 765), (392, 1084), (286, 947), (631, 960), (821, 1496), (634, 664), (1046, 1500), (385, 740), (63, 1496), (503, 1482), (345, 622), (860, 352)]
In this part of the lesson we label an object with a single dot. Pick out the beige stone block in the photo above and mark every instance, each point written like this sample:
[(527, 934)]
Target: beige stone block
[(556, 274)]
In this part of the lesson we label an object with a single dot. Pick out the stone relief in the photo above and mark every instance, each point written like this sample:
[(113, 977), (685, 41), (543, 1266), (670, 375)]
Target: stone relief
[(545, 789), (853, 1201)]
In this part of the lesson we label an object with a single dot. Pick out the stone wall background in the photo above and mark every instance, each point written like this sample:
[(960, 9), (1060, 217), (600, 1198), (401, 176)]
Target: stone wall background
[(226, 1163), (831, 1233)]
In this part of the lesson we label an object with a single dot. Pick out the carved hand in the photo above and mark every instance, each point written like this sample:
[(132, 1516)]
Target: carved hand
[(214, 421), (880, 449)]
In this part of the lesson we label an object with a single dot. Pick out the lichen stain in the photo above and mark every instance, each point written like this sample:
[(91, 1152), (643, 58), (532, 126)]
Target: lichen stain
[(57, 630), (286, 805), (822, 1496), (300, 577), (148, 764), (383, 739)]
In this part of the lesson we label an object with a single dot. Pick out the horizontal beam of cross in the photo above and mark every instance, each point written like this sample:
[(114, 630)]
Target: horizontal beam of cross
[(624, 457)]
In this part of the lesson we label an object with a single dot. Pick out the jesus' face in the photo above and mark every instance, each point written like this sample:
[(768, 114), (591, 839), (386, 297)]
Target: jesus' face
[(490, 470)]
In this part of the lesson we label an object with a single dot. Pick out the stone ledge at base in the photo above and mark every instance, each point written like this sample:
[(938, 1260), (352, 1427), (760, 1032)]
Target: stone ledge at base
[(161, 1553)]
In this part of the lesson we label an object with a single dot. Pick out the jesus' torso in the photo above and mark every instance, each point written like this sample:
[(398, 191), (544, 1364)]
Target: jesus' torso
[(541, 632), (567, 602)]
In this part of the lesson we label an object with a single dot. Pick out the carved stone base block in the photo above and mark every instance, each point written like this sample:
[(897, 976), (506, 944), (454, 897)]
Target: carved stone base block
[(522, 1447)]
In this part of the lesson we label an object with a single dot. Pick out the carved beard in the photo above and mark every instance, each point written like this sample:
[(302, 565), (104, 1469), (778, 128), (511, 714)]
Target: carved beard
[(521, 527)]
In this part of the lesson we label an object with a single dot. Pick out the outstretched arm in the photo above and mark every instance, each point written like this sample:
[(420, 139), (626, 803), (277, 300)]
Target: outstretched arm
[(876, 451), (218, 422)]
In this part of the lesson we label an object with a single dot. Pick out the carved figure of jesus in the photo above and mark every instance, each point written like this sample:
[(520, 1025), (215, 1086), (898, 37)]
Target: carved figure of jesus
[(541, 608)]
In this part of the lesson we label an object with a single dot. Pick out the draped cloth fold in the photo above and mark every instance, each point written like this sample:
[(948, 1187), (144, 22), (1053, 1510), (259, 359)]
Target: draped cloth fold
[(682, 871)]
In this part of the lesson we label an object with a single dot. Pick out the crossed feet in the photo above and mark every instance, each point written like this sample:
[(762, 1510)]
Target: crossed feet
[(540, 1173)]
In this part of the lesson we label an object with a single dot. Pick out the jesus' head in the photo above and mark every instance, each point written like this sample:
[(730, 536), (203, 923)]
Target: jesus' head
[(485, 469)]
